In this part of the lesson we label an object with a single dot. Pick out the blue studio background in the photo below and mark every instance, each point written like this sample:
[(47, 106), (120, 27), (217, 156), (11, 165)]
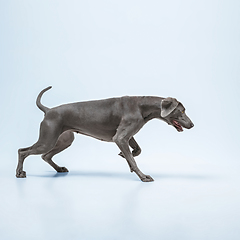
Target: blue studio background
[(98, 49)]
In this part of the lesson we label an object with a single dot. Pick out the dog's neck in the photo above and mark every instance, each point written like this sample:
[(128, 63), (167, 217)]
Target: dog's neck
[(151, 107)]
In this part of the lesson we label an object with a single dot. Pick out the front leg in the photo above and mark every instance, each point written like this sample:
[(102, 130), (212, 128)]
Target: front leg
[(134, 145), (124, 133), (122, 144)]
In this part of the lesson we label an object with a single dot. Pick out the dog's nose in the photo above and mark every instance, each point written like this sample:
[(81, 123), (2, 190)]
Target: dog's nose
[(191, 125)]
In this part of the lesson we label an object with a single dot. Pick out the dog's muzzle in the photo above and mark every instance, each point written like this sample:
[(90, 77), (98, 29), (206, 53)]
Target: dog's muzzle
[(180, 126)]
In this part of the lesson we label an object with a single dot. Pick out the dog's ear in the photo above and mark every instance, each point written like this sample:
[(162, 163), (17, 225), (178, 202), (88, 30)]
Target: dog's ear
[(168, 105)]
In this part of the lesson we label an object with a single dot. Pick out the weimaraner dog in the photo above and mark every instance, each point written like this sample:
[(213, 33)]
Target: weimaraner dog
[(111, 120)]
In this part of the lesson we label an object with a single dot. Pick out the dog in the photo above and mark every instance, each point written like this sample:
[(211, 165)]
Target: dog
[(112, 120)]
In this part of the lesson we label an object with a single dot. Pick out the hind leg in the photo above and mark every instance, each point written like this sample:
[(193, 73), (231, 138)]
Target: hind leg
[(49, 133), (19, 171), (64, 141)]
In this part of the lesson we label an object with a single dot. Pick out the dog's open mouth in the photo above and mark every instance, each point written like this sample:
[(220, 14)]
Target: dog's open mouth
[(177, 126)]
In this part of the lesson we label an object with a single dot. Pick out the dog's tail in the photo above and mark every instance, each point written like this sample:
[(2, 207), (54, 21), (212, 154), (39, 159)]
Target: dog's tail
[(38, 102)]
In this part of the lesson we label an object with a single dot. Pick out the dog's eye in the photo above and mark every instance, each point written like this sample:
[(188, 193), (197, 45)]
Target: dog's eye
[(183, 111)]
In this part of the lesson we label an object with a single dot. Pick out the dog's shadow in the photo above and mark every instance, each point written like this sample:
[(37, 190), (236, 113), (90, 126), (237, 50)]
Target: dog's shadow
[(92, 174), (98, 174)]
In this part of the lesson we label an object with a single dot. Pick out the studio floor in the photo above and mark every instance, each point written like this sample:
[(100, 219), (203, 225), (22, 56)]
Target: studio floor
[(189, 199)]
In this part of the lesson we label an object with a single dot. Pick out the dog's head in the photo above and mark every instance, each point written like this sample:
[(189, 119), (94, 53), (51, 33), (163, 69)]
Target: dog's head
[(174, 113)]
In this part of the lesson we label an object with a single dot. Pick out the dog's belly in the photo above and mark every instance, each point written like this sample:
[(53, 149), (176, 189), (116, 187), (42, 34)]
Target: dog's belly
[(100, 130), (103, 131), (103, 136)]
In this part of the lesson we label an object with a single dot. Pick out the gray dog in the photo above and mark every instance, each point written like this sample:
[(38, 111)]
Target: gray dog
[(111, 120)]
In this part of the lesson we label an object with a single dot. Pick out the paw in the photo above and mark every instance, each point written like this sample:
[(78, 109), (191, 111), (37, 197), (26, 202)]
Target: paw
[(147, 178), (21, 174), (136, 152), (62, 169)]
